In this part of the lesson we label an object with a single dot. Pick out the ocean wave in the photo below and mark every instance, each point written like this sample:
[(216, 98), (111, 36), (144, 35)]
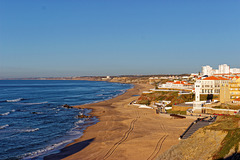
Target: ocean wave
[(29, 130), (15, 100), (79, 122), (4, 126), (5, 114), (35, 103), (42, 151)]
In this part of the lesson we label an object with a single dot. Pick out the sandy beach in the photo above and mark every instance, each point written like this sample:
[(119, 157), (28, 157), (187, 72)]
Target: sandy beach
[(124, 131)]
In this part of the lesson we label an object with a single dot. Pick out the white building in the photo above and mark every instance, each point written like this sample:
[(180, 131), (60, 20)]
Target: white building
[(235, 70), (211, 85), (207, 70), (177, 85), (223, 69)]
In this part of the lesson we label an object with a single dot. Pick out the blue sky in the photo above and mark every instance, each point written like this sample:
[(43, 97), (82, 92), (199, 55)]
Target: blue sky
[(42, 38)]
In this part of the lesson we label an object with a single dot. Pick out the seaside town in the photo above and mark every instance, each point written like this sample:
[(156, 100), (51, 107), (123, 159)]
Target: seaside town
[(222, 87), (191, 108), (119, 80), (206, 103)]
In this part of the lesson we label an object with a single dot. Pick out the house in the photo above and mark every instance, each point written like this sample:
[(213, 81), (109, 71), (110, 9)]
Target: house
[(212, 85), (177, 85)]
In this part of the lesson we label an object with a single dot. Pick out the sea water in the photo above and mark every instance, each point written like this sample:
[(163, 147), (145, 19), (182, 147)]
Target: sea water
[(33, 121)]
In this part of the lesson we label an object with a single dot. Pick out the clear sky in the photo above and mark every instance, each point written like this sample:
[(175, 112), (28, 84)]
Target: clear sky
[(45, 38)]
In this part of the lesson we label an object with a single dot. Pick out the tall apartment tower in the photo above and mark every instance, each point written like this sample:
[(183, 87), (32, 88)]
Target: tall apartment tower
[(224, 69), (207, 70)]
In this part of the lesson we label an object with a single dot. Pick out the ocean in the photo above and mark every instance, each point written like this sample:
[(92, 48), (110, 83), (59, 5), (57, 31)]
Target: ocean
[(33, 121)]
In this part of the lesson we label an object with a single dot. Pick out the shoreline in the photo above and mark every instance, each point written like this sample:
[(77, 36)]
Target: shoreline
[(121, 128)]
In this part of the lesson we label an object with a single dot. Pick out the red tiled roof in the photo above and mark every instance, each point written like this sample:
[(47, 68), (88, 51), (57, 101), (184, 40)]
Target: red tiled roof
[(222, 78), (222, 74), (182, 82), (211, 78), (215, 78), (234, 77)]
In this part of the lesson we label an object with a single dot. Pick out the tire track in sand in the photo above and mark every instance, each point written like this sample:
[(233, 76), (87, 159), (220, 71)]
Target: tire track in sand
[(157, 148), (159, 143), (124, 138)]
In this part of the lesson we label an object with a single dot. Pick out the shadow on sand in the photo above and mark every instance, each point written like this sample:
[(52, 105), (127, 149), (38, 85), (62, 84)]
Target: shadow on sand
[(70, 150)]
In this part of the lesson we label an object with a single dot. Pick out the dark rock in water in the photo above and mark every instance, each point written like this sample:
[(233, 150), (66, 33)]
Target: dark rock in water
[(36, 112), (84, 116), (67, 106)]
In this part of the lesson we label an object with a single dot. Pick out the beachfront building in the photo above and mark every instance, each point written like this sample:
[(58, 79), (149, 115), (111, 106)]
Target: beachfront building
[(212, 85), (177, 85), (234, 88), (231, 92)]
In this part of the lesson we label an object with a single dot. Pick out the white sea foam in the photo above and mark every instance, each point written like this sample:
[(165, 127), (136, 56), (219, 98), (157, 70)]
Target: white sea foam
[(29, 130), (4, 126), (35, 103), (79, 122), (13, 110), (42, 151), (15, 100), (5, 114)]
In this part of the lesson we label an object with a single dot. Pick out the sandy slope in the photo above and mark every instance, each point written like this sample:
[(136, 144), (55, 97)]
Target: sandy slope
[(125, 131)]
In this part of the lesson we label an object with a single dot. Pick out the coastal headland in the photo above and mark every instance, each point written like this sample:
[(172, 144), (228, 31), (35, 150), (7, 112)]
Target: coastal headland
[(124, 131)]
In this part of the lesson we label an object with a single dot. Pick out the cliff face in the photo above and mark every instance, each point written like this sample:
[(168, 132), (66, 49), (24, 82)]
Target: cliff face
[(220, 140), (202, 145)]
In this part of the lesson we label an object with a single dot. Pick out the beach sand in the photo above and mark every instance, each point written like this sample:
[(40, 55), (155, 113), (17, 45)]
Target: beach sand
[(125, 131)]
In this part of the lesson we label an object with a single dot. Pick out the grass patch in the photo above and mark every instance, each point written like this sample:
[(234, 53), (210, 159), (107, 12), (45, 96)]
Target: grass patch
[(144, 101), (232, 139), (227, 106), (168, 96), (176, 112)]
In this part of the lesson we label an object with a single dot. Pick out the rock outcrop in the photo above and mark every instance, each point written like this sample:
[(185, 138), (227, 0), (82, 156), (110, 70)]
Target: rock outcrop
[(67, 106)]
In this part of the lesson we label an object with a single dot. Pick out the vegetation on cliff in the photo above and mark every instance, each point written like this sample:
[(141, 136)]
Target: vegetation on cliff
[(228, 106), (167, 96), (230, 125), (174, 97)]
